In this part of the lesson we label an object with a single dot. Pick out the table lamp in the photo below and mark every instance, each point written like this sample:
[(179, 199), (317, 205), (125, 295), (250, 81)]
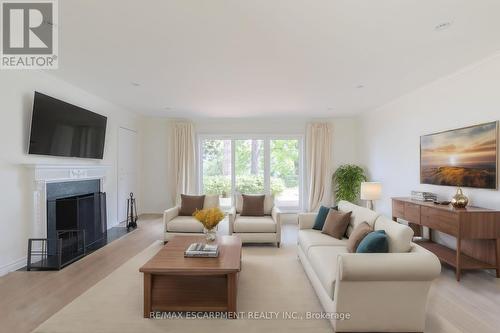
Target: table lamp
[(370, 191)]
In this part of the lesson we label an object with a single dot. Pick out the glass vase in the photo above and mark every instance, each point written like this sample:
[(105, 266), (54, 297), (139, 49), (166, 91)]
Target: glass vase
[(210, 234)]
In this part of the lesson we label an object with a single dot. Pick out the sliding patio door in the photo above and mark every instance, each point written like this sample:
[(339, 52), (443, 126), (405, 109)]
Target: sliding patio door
[(252, 165)]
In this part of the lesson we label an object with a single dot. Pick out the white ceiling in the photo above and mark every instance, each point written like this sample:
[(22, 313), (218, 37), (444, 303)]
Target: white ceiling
[(235, 58)]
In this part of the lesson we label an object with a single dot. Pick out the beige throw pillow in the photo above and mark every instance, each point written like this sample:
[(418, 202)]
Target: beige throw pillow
[(336, 223), (253, 205), (357, 235)]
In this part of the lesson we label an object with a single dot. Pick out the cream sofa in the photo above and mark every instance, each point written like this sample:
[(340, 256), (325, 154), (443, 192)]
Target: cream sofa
[(256, 229), (382, 292), (185, 225)]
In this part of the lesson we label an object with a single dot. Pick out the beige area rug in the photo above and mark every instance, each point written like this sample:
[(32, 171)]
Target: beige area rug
[(271, 280)]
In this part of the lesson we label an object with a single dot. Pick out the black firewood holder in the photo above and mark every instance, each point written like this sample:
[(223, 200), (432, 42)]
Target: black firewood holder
[(53, 254)]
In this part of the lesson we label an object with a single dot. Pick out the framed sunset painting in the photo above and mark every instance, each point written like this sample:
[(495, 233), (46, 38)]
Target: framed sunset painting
[(462, 157)]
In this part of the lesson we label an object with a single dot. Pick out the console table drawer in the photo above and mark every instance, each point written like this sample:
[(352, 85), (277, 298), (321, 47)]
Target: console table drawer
[(412, 213), (398, 209), (441, 214), (436, 222)]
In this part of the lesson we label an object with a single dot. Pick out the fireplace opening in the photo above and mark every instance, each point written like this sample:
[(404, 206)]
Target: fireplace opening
[(76, 224), (79, 213)]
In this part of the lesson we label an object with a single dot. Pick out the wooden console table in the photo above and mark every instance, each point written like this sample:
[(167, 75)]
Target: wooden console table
[(477, 232)]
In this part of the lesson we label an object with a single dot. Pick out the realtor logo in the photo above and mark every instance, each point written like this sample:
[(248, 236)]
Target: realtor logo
[(29, 34)]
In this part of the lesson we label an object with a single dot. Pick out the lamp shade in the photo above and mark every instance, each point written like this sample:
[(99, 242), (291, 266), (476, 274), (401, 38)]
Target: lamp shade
[(371, 190)]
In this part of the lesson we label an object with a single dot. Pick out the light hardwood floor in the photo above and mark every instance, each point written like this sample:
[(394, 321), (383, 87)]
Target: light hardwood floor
[(29, 298)]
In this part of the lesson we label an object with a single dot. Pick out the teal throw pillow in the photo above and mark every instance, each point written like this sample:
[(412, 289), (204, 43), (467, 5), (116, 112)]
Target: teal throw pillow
[(374, 242), (321, 217)]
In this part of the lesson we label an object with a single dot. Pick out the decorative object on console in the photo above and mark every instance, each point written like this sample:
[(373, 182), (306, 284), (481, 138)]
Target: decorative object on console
[(210, 218), (443, 203), (347, 181), (423, 196), (336, 223), (459, 200), (461, 157), (374, 242), (370, 191), (191, 203)]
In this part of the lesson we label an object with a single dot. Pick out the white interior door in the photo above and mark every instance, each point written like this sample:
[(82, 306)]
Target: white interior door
[(127, 169)]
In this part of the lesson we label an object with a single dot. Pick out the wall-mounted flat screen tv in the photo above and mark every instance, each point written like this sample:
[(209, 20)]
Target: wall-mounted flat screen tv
[(62, 129), (461, 157)]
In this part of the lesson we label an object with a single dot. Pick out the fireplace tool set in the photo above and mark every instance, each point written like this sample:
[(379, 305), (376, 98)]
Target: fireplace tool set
[(131, 212)]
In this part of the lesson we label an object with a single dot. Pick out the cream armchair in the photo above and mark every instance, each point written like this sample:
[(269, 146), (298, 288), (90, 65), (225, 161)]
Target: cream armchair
[(256, 229), (185, 225)]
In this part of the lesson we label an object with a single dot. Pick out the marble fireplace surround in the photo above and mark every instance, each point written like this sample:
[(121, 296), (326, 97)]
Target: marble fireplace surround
[(42, 174)]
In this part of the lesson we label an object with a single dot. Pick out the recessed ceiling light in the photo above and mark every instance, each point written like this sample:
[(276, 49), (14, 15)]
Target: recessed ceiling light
[(360, 86), (167, 108), (442, 26), (330, 109), (135, 84)]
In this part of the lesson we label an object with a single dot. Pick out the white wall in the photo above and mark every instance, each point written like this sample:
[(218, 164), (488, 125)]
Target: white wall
[(155, 185), (16, 97), (156, 146), (391, 134)]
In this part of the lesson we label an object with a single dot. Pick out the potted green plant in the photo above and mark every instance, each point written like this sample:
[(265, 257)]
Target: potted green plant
[(347, 181)]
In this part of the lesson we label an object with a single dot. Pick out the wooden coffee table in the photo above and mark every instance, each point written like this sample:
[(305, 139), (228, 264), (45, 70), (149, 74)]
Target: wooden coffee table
[(175, 283)]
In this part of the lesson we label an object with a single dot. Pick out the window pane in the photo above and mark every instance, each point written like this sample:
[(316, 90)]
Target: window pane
[(249, 166), (285, 172), (216, 155)]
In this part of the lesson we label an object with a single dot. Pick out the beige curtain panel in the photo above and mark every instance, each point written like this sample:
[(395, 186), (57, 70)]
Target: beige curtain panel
[(318, 159), (184, 159)]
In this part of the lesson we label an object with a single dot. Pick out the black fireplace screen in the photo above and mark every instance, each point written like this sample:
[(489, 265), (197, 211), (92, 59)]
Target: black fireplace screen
[(76, 225)]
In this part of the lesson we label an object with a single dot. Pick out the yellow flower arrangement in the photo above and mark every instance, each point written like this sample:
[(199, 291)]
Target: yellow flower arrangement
[(209, 217)]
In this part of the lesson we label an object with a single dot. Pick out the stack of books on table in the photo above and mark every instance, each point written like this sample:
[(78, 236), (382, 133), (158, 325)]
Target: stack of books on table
[(197, 250), (423, 196)]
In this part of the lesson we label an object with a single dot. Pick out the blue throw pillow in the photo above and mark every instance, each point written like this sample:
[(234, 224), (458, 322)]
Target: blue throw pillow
[(374, 242), (320, 218)]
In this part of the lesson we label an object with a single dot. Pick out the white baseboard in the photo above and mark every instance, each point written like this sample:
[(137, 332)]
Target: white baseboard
[(13, 266)]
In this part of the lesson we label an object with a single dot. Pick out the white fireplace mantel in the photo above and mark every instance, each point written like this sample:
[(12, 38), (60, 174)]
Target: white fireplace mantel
[(60, 172), (52, 173)]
